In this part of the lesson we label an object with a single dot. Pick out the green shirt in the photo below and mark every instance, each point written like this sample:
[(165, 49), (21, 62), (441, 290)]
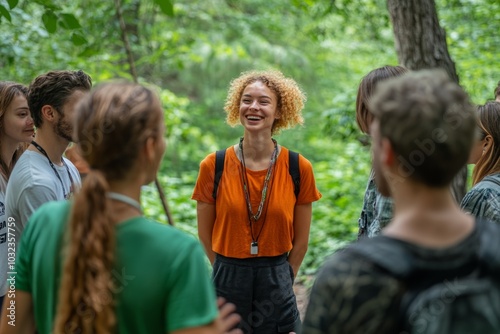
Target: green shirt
[(161, 278)]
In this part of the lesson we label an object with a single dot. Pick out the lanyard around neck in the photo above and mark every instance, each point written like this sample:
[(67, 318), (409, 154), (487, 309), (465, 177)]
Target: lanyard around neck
[(39, 148), (253, 217)]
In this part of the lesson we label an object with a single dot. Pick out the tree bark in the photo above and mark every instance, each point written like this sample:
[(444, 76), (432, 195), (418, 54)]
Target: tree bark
[(133, 72), (421, 44)]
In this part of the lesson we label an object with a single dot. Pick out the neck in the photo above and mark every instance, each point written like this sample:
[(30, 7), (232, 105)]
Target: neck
[(7, 149), (427, 216), (258, 147), (122, 211), (53, 144)]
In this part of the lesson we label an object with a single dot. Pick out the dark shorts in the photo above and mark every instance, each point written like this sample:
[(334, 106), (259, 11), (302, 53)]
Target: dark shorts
[(262, 290)]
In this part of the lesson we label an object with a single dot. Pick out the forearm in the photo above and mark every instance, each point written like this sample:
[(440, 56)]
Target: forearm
[(206, 241), (296, 256), (206, 220)]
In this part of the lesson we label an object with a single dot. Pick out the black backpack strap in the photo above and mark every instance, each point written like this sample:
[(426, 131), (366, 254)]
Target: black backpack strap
[(293, 169), (220, 156)]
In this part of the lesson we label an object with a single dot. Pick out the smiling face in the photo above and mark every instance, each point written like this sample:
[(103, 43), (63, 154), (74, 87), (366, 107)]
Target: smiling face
[(258, 107), (17, 122)]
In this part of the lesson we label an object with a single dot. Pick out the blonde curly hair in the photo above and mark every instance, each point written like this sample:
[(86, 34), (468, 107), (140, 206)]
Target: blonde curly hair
[(290, 97)]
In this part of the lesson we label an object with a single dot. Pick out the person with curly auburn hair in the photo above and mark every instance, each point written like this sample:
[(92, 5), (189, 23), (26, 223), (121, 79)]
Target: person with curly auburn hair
[(377, 209), (483, 200), (16, 131), (255, 223), (95, 264)]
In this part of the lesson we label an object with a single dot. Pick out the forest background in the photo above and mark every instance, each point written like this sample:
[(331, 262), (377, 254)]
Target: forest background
[(190, 50)]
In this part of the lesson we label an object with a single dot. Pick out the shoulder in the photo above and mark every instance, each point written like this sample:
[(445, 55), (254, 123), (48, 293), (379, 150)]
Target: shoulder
[(52, 209), (158, 234), (486, 192), (304, 164), (47, 217), (30, 169), (348, 288)]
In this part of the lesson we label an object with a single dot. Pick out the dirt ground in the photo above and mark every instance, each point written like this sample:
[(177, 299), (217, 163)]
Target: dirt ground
[(302, 294)]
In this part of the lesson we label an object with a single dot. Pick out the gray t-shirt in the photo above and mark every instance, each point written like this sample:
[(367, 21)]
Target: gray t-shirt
[(32, 183)]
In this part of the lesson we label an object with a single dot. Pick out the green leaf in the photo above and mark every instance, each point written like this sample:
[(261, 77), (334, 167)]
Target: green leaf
[(166, 6), (69, 21), (78, 39), (50, 21), (12, 3), (5, 13)]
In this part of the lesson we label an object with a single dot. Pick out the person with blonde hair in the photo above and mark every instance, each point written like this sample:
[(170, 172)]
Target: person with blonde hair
[(254, 217), (16, 130), (483, 200), (96, 264)]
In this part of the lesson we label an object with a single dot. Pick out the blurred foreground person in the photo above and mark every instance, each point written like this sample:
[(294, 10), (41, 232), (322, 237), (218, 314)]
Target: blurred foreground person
[(95, 264), (434, 269)]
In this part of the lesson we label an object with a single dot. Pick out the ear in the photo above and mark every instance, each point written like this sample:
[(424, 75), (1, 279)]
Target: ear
[(278, 113), (48, 113), (487, 142), (149, 149), (387, 154)]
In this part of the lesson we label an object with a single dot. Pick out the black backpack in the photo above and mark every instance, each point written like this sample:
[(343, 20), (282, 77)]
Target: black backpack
[(455, 305), (293, 169)]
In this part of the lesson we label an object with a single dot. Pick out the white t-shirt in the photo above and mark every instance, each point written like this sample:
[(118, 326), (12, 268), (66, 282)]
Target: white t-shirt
[(34, 182)]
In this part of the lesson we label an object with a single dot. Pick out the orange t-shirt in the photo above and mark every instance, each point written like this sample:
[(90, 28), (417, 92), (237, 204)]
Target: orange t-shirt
[(231, 235)]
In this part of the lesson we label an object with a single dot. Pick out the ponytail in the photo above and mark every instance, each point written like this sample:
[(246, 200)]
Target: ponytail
[(86, 302)]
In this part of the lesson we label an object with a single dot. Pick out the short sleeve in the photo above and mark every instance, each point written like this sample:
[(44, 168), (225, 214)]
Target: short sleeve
[(30, 200), (205, 182), (482, 203), (308, 191), (192, 280)]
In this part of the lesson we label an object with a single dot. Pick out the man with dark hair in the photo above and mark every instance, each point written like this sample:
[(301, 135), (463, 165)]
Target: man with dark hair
[(42, 174), (434, 269)]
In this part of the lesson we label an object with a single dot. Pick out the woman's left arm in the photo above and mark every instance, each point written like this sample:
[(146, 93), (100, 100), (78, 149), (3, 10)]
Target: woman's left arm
[(301, 226)]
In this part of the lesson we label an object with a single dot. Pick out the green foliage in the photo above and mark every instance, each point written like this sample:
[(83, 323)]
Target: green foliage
[(326, 46), (166, 7)]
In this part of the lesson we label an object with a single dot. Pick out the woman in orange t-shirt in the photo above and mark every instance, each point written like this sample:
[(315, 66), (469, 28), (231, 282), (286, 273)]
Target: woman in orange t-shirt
[(256, 230)]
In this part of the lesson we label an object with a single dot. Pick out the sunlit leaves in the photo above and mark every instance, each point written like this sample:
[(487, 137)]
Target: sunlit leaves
[(49, 20), (12, 3), (166, 6), (78, 39), (69, 21)]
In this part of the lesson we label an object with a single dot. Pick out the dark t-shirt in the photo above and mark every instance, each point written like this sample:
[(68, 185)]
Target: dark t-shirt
[(352, 295)]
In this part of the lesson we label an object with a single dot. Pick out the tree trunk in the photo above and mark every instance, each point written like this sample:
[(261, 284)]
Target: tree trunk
[(421, 44)]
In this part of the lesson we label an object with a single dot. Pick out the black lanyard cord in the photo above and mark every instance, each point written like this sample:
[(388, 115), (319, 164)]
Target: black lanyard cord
[(39, 148)]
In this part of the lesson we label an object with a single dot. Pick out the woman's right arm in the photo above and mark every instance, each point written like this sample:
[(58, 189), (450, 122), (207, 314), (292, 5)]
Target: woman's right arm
[(206, 219)]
